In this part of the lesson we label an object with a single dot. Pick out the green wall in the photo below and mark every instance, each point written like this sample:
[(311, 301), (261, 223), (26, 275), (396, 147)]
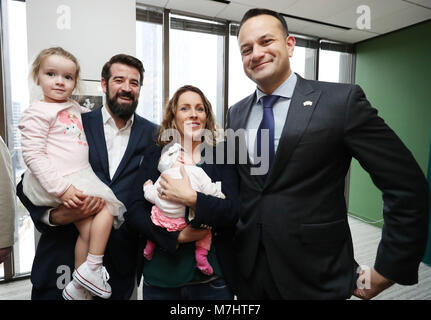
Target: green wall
[(427, 257), (395, 73)]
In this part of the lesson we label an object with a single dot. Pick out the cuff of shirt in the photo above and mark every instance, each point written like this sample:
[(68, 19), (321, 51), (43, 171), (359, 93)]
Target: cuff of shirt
[(45, 218)]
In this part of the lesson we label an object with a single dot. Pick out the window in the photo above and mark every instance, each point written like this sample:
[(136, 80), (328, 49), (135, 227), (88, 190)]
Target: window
[(335, 62), (149, 49), (329, 66), (240, 86), (196, 57), (303, 62), (16, 100)]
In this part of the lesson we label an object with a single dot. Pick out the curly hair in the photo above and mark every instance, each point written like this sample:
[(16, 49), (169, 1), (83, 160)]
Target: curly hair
[(168, 121)]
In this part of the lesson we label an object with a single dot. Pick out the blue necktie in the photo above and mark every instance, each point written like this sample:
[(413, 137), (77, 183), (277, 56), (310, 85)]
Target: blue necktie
[(268, 124)]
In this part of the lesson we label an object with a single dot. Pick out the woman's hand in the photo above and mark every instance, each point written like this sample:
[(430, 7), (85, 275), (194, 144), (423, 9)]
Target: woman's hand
[(178, 190)]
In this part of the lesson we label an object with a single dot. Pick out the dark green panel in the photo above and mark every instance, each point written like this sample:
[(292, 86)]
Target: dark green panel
[(395, 73), (427, 257)]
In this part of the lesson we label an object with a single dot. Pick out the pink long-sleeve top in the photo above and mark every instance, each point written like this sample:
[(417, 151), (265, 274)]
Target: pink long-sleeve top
[(53, 143)]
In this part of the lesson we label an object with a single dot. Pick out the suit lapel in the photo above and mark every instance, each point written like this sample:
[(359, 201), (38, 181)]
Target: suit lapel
[(96, 133), (297, 120), (239, 120), (207, 168), (136, 134)]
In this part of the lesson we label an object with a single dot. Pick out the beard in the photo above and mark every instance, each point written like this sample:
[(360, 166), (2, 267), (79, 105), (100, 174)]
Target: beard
[(122, 110)]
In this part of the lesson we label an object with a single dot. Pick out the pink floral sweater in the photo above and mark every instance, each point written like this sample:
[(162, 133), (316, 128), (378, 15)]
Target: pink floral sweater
[(53, 143)]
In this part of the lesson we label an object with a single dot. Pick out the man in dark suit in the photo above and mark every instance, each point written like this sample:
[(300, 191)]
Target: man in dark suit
[(293, 239), (117, 138)]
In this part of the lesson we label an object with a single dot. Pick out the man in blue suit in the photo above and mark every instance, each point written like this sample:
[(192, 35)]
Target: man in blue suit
[(293, 240), (117, 138)]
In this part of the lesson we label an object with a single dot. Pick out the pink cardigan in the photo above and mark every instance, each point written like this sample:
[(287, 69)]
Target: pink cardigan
[(53, 143)]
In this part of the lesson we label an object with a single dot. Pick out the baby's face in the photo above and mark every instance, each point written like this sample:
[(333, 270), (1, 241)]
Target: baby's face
[(183, 159)]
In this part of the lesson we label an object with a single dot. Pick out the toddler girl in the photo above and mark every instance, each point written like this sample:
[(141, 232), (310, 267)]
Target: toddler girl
[(170, 215), (55, 151)]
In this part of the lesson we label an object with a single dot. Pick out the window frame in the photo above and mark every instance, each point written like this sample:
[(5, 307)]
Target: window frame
[(6, 117)]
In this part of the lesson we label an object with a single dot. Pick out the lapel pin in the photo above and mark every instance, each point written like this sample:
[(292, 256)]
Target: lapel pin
[(308, 103)]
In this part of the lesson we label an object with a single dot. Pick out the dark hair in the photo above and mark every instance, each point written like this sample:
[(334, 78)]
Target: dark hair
[(123, 59), (260, 11)]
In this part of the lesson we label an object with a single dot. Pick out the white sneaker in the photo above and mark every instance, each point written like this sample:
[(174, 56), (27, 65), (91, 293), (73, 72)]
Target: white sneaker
[(73, 293), (94, 281)]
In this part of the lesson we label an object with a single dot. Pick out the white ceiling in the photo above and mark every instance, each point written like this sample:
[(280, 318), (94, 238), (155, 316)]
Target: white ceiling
[(385, 15)]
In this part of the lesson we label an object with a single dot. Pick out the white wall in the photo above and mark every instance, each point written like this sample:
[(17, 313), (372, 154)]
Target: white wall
[(92, 30)]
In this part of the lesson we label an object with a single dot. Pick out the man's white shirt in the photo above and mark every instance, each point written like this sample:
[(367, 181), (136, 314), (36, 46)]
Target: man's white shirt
[(280, 109), (116, 140)]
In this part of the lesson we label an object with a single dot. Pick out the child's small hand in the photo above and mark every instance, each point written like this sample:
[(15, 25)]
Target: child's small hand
[(72, 198), (148, 182)]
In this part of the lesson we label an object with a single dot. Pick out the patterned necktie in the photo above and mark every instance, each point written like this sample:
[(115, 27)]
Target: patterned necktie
[(268, 124)]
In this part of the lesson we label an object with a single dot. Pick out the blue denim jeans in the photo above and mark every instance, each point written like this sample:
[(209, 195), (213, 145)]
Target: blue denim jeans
[(213, 290)]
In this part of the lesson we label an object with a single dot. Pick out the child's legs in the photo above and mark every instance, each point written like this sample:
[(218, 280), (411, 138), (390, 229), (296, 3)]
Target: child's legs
[(149, 250), (202, 261), (205, 242), (100, 231), (202, 248), (83, 241)]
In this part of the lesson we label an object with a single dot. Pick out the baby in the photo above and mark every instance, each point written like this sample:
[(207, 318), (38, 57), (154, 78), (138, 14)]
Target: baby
[(171, 215)]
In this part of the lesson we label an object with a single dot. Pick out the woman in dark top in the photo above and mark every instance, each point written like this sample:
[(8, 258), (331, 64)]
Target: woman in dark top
[(172, 272)]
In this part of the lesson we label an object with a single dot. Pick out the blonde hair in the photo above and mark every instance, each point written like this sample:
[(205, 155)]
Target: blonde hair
[(57, 51), (168, 121)]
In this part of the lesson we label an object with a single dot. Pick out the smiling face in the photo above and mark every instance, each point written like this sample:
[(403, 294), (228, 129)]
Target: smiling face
[(190, 116), (57, 78), (265, 51), (122, 90)]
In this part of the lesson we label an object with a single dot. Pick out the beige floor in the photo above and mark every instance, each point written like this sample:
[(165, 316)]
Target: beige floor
[(365, 241)]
